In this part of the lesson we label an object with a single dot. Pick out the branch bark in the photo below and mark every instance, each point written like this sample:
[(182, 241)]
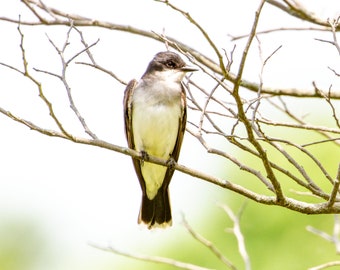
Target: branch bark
[(59, 17), (253, 144)]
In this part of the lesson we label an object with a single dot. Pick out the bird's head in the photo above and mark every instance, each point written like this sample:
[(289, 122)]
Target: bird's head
[(168, 65)]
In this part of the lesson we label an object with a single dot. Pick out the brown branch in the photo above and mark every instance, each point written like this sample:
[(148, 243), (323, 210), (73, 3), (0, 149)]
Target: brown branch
[(242, 116), (325, 265), (208, 244), (282, 29), (205, 34), (94, 63), (335, 190), (109, 72), (304, 126), (27, 74), (251, 143), (62, 18), (153, 259), (323, 131), (334, 238), (236, 230), (65, 63), (329, 101), (302, 207), (293, 8)]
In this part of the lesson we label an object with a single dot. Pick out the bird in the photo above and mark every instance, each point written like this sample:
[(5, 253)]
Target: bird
[(155, 115)]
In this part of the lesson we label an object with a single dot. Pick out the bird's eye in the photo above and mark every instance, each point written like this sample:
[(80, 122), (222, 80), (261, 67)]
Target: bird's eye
[(170, 64)]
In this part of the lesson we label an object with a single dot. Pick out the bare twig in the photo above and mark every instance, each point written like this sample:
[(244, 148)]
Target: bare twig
[(208, 244), (27, 74), (281, 29), (295, 9), (329, 101), (205, 34), (259, 92), (153, 259), (322, 130), (242, 116), (238, 234), (93, 62), (335, 73), (334, 238), (63, 18), (334, 25), (65, 63), (304, 126), (325, 265), (203, 114), (335, 190), (229, 114), (289, 203)]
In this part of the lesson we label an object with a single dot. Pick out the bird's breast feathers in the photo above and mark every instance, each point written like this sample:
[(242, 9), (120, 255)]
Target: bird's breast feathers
[(155, 128), (155, 124)]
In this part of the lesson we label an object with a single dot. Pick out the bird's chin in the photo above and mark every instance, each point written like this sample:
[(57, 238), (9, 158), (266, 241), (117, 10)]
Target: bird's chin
[(171, 75)]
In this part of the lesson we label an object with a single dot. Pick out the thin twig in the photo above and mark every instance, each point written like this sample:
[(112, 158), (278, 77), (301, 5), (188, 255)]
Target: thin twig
[(96, 66), (94, 63), (281, 29), (325, 265), (64, 19), (205, 34), (208, 244), (27, 74), (322, 130), (62, 77), (238, 234), (205, 108), (147, 258), (334, 238), (329, 101), (242, 116), (335, 190), (297, 10)]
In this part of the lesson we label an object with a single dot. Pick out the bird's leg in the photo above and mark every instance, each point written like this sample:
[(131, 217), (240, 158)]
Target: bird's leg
[(145, 157), (171, 163)]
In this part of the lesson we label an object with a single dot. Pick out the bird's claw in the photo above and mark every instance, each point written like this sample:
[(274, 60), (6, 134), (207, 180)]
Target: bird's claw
[(145, 157), (171, 163)]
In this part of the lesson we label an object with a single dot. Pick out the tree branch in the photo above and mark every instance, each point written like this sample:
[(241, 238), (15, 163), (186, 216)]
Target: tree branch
[(295, 9), (62, 18), (238, 234), (153, 259), (208, 244)]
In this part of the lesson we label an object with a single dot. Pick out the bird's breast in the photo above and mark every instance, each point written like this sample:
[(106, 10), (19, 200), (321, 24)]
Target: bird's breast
[(155, 128)]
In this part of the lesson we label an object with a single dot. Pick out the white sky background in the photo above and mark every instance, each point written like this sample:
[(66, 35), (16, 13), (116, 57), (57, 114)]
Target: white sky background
[(79, 193)]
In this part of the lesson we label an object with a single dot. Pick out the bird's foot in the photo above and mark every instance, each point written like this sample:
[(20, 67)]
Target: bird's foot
[(145, 157), (171, 163)]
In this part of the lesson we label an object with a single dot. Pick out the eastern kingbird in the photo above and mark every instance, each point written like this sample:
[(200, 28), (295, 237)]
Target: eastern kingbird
[(155, 118)]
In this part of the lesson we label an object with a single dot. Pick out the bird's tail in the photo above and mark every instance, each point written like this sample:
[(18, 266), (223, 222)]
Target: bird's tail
[(156, 213)]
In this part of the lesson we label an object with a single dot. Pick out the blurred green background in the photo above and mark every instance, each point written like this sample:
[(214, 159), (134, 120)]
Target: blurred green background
[(57, 197), (275, 238)]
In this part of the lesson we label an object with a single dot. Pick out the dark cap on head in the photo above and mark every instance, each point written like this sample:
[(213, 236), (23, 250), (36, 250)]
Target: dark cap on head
[(166, 61)]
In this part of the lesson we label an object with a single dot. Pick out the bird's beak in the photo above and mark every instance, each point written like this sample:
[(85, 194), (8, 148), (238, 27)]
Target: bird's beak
[(189, 69)]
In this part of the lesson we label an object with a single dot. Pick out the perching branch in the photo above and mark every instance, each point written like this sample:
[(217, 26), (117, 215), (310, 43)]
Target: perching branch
[(207, 125), (226, 119)]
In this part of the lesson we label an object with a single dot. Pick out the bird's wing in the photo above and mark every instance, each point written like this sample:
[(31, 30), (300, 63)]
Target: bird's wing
[(181, 126), (130, 88), (181, 129)]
